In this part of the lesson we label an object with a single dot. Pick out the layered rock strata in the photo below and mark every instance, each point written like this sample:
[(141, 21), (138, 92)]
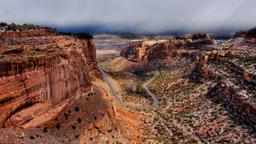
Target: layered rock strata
[(41, 67), (151, 50)]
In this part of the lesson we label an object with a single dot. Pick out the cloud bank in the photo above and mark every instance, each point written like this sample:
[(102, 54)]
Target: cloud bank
[(133, 15)]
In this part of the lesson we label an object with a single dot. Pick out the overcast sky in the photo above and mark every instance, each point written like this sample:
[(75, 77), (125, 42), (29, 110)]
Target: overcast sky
[(137, 15)]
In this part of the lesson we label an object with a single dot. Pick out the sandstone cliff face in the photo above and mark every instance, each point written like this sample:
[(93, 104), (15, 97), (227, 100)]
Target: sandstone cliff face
[(147, 50), (151, 50), (199, 36), (41, 67), (196, 41), (160, 50), (131, 51), (51, 92)]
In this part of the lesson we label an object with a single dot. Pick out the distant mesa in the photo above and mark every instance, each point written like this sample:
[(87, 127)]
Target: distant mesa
[(150, 50)]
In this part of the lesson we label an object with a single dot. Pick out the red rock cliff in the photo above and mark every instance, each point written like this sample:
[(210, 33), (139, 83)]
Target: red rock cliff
[(41, 67), (151, 50)]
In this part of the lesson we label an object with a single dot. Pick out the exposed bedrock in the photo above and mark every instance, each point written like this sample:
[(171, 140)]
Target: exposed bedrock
[(40, 66), (234, 83), (151, 50)]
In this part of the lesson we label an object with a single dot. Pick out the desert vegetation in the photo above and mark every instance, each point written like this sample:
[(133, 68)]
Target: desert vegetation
[(20, 27)]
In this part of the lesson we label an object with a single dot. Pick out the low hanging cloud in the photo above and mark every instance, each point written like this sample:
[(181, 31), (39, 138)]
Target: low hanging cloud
[(133, 15)]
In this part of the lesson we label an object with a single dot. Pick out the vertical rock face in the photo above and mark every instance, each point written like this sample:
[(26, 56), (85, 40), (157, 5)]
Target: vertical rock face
[(151, 50), (131, 51), (41, 67), (147, 50), (199, 36), (161, 50)]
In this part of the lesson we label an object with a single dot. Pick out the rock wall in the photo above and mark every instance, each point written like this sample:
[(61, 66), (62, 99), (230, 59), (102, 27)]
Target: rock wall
[(151, 50), (147, 50), (131, 51), (199, 36), (41, 67), (161, 50)]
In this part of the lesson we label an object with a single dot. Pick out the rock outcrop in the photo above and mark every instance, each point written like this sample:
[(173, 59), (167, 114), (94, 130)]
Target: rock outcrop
[(131, 50), (231, 65), (41, 67), (198, 40), (199, 36), (148, 50), (51, 91), (151, 50), (249, 35), (234, 76)]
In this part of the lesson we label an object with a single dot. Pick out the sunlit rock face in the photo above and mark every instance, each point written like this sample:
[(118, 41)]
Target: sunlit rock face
[(41, 67), (147, 50)]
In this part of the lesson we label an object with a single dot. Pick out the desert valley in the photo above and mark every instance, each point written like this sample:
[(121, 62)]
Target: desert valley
[(80, 88)]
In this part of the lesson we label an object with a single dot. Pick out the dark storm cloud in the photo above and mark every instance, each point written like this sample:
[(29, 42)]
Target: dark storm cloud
[(133, 15)]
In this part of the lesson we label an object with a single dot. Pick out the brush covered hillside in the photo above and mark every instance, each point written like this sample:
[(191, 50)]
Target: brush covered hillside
[(204, 88)]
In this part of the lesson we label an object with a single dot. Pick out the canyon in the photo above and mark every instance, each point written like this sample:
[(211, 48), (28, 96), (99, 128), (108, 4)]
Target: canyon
[(52, 92), (206, 87), (55, 88)]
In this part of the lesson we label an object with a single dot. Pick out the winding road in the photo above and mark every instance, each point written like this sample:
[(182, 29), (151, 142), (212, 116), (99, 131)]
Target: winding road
[(119, 98), (145, 86)]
